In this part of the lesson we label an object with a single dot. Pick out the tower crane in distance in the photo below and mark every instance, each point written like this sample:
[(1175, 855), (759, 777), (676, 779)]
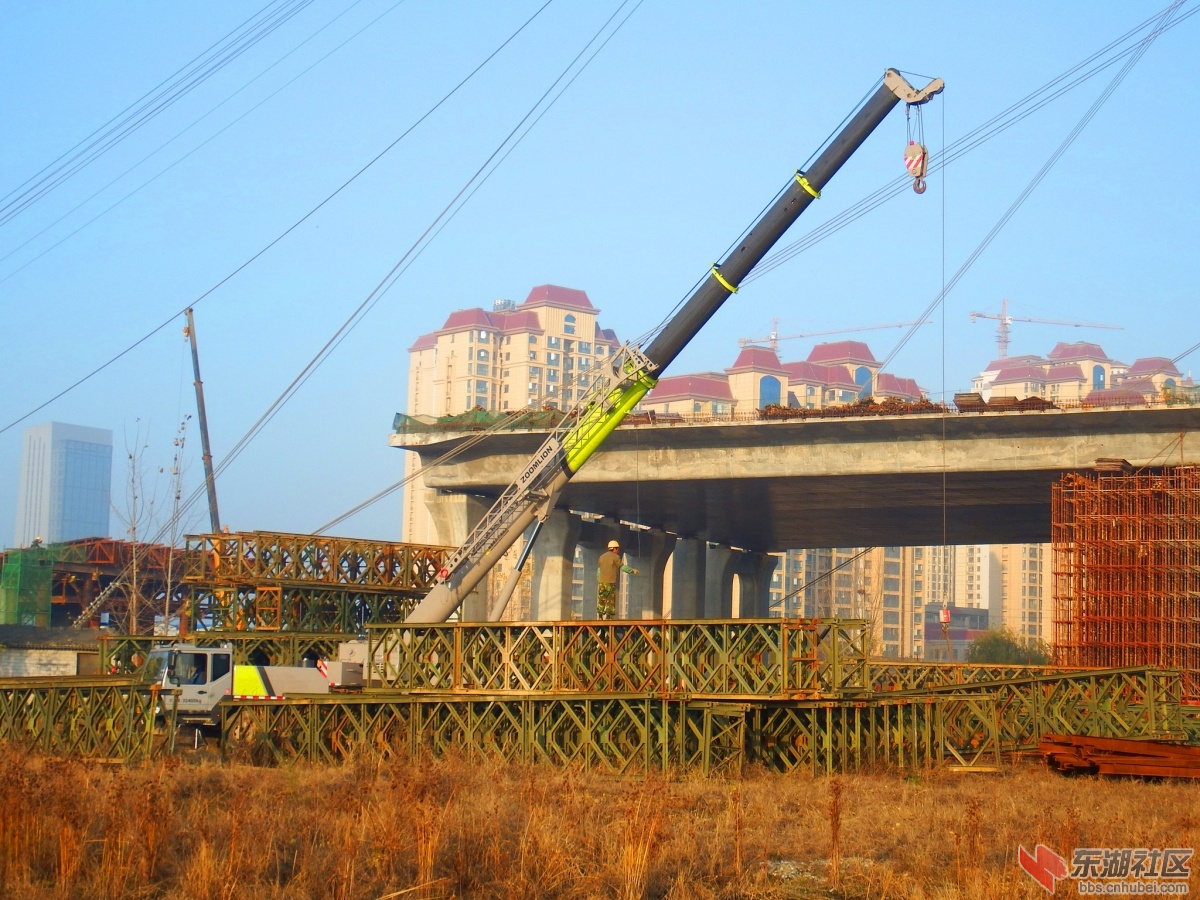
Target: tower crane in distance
[(773, 339), (630, 373), (1004, 328)]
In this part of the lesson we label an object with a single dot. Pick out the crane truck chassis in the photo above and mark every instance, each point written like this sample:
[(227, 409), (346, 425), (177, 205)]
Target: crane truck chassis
[(529, 500), (196, 680)]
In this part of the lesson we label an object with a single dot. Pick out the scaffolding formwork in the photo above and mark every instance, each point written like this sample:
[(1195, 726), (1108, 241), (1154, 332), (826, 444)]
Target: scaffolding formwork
[(1126, 550)]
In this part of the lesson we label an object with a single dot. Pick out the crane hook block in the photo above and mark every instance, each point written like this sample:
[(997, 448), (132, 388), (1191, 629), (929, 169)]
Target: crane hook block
[(915, 160)]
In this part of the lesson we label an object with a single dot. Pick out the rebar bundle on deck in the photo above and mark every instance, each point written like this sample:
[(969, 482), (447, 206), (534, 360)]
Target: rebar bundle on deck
[(1127, 570)]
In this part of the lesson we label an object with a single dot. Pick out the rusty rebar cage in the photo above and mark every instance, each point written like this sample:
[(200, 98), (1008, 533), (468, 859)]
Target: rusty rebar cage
[(1126, 558)]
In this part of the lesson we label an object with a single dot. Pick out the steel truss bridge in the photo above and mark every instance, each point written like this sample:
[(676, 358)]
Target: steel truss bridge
[(620, 697), (261, 581)]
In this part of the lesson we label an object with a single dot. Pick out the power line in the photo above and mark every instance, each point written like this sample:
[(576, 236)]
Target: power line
[(180, 134), (100, 368), (129, 121)]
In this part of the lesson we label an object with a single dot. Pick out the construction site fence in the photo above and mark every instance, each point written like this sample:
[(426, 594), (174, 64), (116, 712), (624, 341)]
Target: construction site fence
[(744, 657), (105, 719)]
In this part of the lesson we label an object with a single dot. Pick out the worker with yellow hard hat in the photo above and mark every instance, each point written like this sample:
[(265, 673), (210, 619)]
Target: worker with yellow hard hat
[(608, 573)]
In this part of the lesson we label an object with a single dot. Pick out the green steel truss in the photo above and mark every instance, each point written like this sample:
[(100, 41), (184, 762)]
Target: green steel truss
[(613, 734), (619, 733), (906, 675), (258, 557), (109, 719), (292, 607), (127, 653), (731, 659), (1116, 703)]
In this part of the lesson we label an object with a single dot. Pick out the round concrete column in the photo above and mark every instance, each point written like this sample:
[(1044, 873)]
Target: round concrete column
[(553, 565), (648, 552)]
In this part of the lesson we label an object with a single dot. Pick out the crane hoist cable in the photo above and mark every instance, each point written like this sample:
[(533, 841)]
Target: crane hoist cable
[(1067, 141)]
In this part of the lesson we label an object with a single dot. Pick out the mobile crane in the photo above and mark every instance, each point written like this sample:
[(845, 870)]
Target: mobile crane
[(632, 372)]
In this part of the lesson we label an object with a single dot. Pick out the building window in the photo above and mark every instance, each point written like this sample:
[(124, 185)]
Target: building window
[(584, 363), (553, 359), (532, 339), (582, 381), (535, 371), (481, 387), (533, 356), (481, 402), (568, 346), (483, 369), (585, 347), (552, 389), (552, 374), (483, 337), (481, 354), (569, 324), (554, 342), (891, 601)]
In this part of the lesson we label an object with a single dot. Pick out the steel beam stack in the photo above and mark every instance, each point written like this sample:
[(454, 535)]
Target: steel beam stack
[(1127, 570)]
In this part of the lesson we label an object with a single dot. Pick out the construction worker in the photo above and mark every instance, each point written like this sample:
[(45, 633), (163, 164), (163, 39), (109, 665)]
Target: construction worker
[(607, 574)]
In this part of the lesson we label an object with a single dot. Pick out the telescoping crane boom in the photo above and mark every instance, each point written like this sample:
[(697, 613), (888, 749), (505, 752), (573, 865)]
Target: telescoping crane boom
[(633, 372)]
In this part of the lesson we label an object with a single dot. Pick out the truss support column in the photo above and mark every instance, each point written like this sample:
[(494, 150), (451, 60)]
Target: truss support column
[(648, 552), (687, 578), (553, 566), (454, 515)]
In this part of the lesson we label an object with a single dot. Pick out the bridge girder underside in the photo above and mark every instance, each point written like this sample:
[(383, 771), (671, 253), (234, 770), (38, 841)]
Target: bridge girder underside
[(919, 480), (772, 514)]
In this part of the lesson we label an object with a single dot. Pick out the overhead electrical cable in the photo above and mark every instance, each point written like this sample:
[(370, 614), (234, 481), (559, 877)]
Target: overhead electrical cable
[(380, 289), (180, 134), (126, 123), (100, 368), (401, 265), (1002, 121), (1087, 117)]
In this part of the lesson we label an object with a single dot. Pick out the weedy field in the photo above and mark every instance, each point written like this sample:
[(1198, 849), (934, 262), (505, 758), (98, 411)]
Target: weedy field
[(462, 828)]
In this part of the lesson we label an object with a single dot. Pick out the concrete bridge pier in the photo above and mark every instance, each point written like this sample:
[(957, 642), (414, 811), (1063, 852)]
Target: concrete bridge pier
[(754, 571), (687, 578), (648, 552), (750, 572), (718, 582), (553, 565), (454, 515)]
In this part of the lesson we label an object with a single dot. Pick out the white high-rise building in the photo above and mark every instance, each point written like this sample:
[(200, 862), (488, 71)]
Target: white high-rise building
[(66, 483)]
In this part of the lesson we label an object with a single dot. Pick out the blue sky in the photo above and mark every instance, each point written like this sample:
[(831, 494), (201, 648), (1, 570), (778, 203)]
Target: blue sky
[(650, 164)]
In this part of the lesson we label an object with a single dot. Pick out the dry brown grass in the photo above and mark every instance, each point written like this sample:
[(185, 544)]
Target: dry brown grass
[(471, 829)]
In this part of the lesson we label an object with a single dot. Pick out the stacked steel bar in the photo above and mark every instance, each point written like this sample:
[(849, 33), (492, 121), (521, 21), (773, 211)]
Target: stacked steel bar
[(1127, 570)]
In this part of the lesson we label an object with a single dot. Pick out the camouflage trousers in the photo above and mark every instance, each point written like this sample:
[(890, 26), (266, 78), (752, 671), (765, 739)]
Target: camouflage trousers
[(606, 600)]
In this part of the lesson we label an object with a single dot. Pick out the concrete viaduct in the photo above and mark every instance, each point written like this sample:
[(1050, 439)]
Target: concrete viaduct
[(714, 499)]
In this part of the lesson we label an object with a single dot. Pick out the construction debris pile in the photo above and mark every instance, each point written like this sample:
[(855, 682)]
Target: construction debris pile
[(888, 406), (1127, 570)]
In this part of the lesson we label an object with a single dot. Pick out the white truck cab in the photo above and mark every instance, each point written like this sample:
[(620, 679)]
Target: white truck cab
[(202, 675)]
